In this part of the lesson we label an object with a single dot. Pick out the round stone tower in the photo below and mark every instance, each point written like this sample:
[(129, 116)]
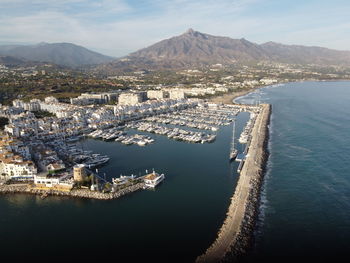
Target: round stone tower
[(79, 172)]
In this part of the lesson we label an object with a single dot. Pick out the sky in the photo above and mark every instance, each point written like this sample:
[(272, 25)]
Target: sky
[(118, 27)]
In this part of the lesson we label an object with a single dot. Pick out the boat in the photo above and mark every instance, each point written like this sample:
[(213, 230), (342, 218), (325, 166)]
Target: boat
[(73, 139), (243, 139), (120, 138), (96, 162), (234, 151), (153, 179), (142, 143), (123, 180), (233, 154), (127, 141)]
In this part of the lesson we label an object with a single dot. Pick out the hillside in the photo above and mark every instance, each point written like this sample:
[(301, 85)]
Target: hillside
[(194, 48), (64, 54)]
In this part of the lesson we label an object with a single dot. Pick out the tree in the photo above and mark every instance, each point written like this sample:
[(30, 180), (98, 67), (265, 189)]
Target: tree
[(3, 121)]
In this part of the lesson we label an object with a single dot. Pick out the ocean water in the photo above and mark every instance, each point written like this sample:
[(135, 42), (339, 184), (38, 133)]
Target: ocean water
[(174, 223), (305, 208)]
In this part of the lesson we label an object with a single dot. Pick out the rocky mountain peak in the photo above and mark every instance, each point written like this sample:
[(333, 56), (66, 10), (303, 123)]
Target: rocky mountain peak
[(193, 48), (190, 31)]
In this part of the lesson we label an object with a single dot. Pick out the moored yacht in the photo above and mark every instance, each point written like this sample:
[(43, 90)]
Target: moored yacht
[(153, 179), (233, 154)]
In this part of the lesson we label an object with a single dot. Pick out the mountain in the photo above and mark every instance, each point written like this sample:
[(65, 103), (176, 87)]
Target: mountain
[(194, 48), (305, 55), (9, 61), (64, 54)]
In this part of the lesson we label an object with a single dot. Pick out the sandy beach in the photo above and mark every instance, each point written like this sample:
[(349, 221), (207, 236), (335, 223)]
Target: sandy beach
[(228, 98)]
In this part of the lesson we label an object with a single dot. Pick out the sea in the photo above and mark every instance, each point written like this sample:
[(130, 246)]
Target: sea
[(304, 209), (305, 205)]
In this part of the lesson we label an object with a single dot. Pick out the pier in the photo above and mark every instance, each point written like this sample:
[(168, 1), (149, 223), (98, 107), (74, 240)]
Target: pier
[(75, 193), (234, 237)]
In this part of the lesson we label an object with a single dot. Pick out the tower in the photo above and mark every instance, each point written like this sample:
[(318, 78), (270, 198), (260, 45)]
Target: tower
[(79, 172)]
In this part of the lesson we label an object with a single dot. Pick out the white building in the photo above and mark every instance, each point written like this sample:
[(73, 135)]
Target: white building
[(51, 99), (33, 105), (268, 81), (61, 182), (18, 103), (129, 98), (156, 94), (176, 94), (94, 98), (14, 167)]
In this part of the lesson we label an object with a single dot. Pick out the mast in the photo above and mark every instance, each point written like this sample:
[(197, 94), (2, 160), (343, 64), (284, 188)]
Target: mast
[(233, 135), (233, 152)]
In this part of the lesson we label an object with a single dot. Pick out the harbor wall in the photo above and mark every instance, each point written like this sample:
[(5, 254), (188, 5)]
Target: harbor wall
[(235, 235), (78, 193)]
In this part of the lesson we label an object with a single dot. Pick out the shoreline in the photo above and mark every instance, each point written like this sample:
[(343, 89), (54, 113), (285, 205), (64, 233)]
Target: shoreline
[(228, 98), (75, 193), (236, 234)]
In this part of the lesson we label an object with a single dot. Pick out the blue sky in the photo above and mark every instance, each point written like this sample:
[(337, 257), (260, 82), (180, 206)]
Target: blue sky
[(118, 27)]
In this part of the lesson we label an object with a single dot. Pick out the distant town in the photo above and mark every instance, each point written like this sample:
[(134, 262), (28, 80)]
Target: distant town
[(20, 82)]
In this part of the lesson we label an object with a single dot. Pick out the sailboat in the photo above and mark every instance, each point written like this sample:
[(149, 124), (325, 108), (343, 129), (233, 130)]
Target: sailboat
[(234, 151)]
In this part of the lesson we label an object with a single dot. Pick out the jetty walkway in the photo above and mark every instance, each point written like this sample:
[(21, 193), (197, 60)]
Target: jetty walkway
[(234, 236)]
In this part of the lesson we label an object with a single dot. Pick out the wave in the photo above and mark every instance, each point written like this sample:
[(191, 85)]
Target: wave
[(264, 201)]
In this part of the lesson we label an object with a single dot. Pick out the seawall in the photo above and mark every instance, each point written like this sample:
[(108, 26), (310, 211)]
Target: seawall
[(76, 193), (235, 235)]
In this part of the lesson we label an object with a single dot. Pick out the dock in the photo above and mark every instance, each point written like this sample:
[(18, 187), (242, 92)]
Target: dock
[(235, 234)]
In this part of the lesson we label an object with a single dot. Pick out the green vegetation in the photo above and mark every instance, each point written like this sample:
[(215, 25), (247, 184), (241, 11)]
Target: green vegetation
[(107, 187), (66, 83), (54, 172), (59, 83), (3, 121), (43, 114)]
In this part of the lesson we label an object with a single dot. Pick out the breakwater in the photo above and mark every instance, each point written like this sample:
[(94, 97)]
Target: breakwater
[(78, 193), (235, 235)]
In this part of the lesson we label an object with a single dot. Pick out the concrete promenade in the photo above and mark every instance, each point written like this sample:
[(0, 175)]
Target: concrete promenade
[(234, 236)]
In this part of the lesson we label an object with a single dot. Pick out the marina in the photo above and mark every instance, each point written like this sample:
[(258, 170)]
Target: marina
[(164, 155), (173, 133)]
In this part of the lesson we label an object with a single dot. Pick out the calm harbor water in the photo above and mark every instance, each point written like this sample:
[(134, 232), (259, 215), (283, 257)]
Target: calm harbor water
[(175, 222), (305, 210)]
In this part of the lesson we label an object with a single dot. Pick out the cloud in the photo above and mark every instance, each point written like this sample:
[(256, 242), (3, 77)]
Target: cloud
[(119, 36), (117, 27)]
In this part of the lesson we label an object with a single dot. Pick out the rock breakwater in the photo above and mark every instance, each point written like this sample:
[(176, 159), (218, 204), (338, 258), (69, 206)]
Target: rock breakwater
[(78, 193), (235, 235)]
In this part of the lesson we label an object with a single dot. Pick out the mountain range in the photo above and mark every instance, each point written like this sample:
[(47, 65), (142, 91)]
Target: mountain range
[(64, 54), (187, 50), (194, 48)]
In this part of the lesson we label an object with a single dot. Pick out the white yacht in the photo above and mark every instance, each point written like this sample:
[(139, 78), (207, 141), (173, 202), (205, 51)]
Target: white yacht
[(123, 180), (142, 143), (153, 179)]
